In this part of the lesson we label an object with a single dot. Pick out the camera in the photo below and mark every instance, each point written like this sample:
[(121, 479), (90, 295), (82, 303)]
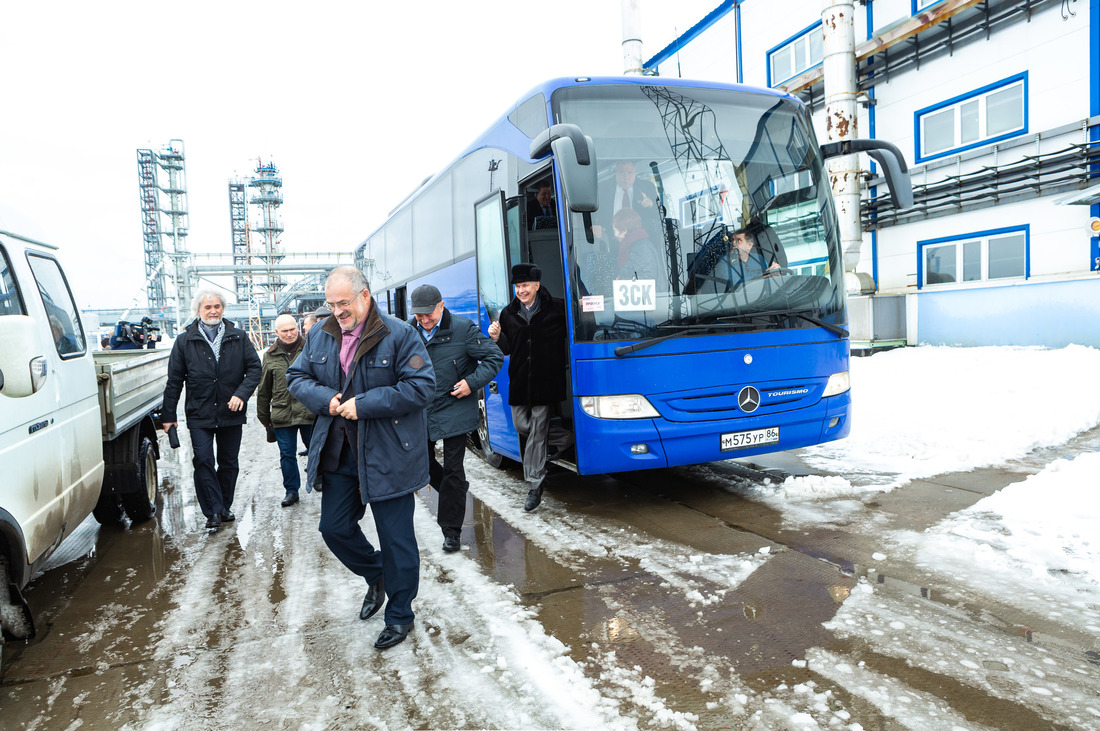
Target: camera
[(138, 333)]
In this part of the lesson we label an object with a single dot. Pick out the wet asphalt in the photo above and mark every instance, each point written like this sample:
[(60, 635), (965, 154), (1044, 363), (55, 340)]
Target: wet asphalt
[(100, 601)]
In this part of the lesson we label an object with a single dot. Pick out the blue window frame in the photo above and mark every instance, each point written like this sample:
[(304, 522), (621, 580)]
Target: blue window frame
[(798, 53), (984, 116), (919, 5), (1001, 253)]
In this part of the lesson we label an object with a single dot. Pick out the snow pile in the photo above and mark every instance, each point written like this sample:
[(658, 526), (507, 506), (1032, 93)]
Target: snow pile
[(1034, 540), (919, 412)]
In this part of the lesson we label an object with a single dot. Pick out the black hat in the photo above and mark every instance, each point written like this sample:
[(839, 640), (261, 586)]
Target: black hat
[(424, 299), (526, 273)]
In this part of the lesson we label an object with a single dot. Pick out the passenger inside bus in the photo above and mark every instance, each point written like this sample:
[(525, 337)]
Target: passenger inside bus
[(637, 256), (541, 210), (627, 191)]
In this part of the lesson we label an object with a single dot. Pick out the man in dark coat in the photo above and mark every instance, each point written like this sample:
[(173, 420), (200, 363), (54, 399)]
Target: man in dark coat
[(542, 205), (368, 378), (455, 346), (283, 415), (629, 191), (532, 330), (220, 368)]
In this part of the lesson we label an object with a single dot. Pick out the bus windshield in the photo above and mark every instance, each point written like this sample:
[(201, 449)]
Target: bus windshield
[(715, 215)]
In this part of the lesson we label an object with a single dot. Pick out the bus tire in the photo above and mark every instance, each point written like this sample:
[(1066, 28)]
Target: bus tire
[(142, 505), (479, 441)]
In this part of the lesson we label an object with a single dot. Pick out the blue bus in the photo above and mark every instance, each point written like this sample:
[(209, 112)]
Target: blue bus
[(681, 351)]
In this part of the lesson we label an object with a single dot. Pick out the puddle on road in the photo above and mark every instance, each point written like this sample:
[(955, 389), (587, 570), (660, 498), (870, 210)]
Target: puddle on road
[(615, 616)]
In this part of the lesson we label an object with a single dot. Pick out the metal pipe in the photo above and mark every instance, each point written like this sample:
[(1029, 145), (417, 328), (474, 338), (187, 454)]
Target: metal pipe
[(632, 39), (839, 66)]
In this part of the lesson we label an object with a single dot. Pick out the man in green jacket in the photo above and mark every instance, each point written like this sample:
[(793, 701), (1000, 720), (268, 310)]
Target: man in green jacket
[(465, 360), (282, 414)]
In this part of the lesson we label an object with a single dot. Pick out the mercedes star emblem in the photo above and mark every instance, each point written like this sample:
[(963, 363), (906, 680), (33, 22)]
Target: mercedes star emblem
[(748, 399)]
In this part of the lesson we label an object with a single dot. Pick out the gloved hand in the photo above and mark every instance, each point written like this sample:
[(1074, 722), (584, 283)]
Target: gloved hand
[(270, 434)]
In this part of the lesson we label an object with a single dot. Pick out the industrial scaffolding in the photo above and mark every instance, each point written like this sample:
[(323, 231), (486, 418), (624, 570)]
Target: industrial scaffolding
[(240, 233), (268, 197), (162, 187)]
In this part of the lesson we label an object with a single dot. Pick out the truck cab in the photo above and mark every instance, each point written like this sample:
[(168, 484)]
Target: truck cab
[(51, 452)]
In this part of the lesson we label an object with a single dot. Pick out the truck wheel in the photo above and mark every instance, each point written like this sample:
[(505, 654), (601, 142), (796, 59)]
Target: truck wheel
[(16, 622), (108, 510), (142, 506)]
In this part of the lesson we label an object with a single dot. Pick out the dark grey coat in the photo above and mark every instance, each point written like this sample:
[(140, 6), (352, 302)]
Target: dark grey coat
[(455, 350)]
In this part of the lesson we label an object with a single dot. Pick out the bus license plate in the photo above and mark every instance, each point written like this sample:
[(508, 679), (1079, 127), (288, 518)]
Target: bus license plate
[(754, 438)]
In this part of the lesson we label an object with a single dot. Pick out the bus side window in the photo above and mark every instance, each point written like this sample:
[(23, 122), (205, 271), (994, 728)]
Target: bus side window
[(57, 298)]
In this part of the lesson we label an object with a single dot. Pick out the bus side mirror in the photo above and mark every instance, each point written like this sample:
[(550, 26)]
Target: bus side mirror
[(576, 156), (22, 365), (888, 156)]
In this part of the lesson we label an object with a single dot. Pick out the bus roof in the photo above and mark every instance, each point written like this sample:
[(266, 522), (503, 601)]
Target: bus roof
[(502, 130)]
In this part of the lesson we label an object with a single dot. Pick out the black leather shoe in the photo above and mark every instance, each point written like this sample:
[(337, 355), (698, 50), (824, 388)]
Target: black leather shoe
[(451, 544), (213, 523), (228, 517), (534, 497), (373, 601), (290, 499), (303, 453), (393, 634)]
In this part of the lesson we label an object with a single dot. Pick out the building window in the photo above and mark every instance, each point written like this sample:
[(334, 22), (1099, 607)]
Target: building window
[(795, 55), (976, 257), (984, 116), (919, 5)]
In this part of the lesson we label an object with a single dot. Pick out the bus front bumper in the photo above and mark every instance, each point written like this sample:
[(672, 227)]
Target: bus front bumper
[(624, 445)]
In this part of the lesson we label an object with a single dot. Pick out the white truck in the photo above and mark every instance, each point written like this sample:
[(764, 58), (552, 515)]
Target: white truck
[(78, 433)]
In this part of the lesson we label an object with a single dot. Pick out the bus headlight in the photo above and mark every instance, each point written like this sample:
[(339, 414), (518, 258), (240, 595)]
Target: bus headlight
[(629, 406), (838, 383)]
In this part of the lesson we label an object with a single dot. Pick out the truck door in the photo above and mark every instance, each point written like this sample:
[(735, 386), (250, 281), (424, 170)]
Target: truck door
[(70, 419), (493, 294)]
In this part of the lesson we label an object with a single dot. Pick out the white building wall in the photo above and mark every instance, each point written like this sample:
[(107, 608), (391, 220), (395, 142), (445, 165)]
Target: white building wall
[(1054, 52)]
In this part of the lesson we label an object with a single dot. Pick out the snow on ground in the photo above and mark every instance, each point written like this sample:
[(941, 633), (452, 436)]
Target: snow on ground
[(919, 412)]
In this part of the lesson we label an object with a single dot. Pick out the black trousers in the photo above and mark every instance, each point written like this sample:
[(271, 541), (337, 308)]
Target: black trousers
[(397, 557), (215, 477), (449, 480)]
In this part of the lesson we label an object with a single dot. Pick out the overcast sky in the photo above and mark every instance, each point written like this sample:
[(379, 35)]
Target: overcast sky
[(355, 102)]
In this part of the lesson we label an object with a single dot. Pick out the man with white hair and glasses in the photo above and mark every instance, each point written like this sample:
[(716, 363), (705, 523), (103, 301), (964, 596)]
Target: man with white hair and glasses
[(219, 366)]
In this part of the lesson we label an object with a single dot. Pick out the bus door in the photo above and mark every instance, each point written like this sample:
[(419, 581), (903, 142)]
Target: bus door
[(543, 249), (496, 433)]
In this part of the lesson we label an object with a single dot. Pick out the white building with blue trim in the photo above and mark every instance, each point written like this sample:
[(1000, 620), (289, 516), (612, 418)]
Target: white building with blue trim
[(996, 106)]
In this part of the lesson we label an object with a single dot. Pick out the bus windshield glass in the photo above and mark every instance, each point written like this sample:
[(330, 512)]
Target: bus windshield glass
[(715, 215)]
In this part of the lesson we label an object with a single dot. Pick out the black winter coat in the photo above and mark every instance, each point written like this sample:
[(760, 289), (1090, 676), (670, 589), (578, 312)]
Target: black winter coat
[(455, 350), (536, 371), (210, 383)]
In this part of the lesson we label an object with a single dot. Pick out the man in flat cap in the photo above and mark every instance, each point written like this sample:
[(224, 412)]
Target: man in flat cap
[(532, 330), (464, 361)]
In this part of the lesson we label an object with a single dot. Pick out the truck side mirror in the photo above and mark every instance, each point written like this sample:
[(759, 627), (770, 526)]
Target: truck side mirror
[(21, 362), (576, 157), (888, 156)]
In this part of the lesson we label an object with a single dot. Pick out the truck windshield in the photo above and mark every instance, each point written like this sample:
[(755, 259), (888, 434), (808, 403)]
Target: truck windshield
[(714, 208)]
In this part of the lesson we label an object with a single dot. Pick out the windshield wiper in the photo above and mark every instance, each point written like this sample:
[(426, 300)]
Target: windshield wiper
[(835, 329), (687, 330)]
